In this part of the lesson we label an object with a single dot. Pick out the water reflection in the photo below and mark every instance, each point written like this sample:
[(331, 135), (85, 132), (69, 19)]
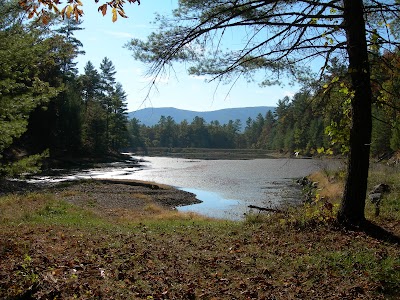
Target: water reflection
[(214, 205)]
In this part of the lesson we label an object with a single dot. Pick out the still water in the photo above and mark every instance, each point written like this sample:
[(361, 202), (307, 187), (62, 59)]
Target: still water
[(226, 187)]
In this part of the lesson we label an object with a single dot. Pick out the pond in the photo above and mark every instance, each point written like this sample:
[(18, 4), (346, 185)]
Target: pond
[(226, 187)]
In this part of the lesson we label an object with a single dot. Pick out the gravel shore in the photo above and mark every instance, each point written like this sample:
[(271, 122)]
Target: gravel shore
[(127, 194), (106, 194)]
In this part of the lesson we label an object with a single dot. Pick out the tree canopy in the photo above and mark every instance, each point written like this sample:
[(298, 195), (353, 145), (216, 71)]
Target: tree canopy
[(24, 84), (274, 36)]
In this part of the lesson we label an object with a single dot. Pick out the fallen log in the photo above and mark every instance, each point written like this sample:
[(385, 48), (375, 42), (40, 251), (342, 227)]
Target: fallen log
[(274, 210)]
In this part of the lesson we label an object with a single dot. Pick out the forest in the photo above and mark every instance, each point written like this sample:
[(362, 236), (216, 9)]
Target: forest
[(310, 122), (48, 109)]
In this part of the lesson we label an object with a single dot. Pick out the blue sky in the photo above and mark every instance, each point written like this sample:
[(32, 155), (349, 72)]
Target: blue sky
[(102, 38)]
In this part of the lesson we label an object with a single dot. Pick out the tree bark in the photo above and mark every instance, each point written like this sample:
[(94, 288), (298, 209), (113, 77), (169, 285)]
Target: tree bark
[(351, 211)]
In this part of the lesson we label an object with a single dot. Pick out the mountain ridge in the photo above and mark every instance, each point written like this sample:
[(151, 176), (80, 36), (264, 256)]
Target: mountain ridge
[(151, 115)]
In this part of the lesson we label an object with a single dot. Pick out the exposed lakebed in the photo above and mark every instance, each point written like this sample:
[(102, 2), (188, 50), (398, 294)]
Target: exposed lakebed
[(226, 187)]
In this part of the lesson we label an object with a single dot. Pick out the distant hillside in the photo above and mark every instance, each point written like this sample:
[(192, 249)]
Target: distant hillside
[(151, 116)]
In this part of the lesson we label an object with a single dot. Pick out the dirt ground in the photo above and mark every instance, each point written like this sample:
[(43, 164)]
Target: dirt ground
[(126, 194)]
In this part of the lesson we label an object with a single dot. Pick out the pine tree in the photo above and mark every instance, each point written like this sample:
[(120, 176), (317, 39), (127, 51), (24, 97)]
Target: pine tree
[(107, 81), (67, 31), (90, 83), (23, 87), (118, 118)]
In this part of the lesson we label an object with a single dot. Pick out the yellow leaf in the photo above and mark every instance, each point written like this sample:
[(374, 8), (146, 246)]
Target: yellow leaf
[(114, 14), (69, 11)]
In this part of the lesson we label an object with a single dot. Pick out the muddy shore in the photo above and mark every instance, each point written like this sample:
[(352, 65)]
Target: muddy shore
[(106, 194)]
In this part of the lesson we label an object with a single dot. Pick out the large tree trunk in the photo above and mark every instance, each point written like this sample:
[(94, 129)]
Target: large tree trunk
[(353, 203)]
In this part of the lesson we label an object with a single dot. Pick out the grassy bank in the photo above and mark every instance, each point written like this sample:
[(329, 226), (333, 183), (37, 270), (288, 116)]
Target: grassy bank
[(53, 249)]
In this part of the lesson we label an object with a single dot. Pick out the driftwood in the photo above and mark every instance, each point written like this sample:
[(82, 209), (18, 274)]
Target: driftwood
[(266, 209)]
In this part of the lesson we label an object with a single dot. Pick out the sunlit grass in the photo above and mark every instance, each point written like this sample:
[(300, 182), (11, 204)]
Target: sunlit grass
[(45, 208), (329, 185), (37, 208)]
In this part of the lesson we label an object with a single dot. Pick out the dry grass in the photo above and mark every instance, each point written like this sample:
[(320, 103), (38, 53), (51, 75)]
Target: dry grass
[(14, 208), (329, 186), (153, 212), (144, 197)]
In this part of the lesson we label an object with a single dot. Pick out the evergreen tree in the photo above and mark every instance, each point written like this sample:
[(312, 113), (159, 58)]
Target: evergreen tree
[(94, 124), (136, 139), (199, 135), (94, 129), (65, 111), (23, 86), (267, 133), (90, 83), (67, 31), (183, 133), (118, 118), (107, 81), (281, 123)]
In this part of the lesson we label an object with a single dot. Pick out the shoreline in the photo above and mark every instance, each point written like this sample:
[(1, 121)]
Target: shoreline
[(126, 193), (107, 196)]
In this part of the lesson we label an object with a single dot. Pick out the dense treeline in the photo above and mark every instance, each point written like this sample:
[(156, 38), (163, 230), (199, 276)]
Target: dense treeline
[(315, 120), (294, 125), (47, 108)]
